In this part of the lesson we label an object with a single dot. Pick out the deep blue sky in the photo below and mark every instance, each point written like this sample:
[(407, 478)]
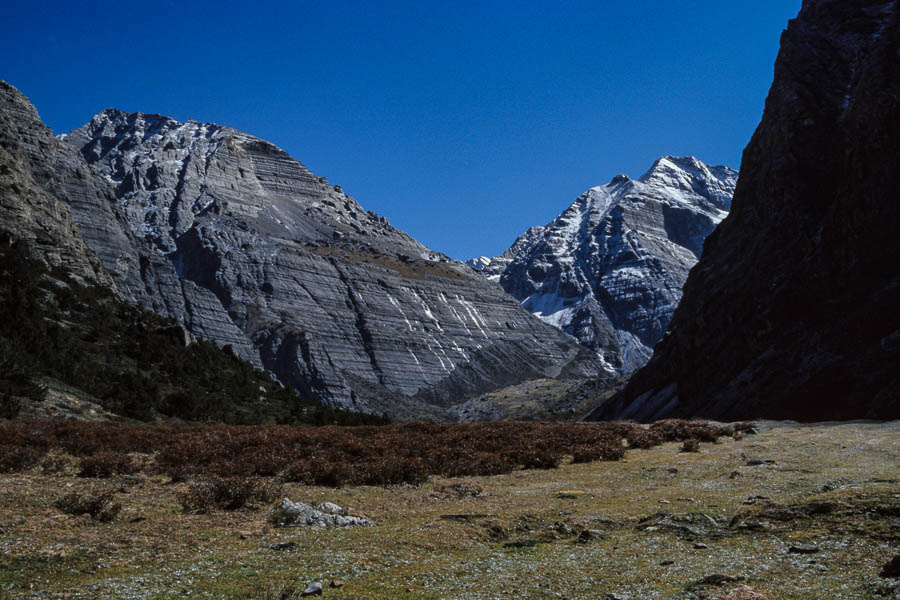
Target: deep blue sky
[(463, 122)]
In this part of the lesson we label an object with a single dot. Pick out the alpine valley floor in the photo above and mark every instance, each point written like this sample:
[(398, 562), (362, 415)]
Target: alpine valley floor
[(794, 512)]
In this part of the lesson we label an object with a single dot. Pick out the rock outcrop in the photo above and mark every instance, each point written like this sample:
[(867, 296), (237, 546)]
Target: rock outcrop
[(30, 187), (243, 245), (327, 514), (792, 312), (609, 270)]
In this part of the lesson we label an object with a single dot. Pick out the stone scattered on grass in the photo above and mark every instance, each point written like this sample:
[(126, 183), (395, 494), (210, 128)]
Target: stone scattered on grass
[(717, 579), (332, 509), (283, 546), (569, 494), (466, 518), (892, 568), (313, 589), (803, 549), (590, 535), (700, 546), (336, 583), (298, 514)]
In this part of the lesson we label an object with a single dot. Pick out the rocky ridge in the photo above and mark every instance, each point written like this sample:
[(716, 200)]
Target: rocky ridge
[(792, 310), (609, 269), (229, 235), (30, 209)]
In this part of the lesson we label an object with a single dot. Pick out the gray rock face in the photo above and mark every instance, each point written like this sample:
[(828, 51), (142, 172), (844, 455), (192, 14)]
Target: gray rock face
[(242, 244), (791, 312), (30, 186), (298, 514), (609, 270)]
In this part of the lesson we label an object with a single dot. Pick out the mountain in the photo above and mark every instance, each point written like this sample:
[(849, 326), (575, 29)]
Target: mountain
[(69, 345), (609, 270), (243, 245), (792, 312), (29, 213)]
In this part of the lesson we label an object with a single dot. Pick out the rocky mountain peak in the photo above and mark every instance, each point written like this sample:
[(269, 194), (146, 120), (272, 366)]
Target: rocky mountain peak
[(244, 245), (609, 269), (709, 186)]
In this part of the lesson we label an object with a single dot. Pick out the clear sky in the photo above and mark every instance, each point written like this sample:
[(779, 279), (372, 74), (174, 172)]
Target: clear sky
[(464, 123)]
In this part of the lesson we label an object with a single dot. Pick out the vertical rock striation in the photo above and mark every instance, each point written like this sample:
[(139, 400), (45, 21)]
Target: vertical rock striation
[(609, 270), (792, 312)]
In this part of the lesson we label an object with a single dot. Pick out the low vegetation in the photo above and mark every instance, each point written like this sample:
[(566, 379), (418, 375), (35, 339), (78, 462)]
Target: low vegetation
[(330, 455), (230, 493), (99, 507), (796, 512)]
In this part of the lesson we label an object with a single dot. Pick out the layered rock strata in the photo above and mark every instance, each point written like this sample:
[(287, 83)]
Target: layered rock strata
[(241, 243), (30, 187), (609, 269)]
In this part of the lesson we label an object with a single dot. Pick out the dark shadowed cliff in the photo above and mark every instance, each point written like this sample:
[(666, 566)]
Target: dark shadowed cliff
[(794, 308)]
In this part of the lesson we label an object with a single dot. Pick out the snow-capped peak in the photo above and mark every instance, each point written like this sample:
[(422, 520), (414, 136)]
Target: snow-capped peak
[(609, 269)]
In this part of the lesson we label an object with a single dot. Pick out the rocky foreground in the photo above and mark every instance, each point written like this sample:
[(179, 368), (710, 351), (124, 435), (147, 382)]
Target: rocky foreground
[(793, 512)]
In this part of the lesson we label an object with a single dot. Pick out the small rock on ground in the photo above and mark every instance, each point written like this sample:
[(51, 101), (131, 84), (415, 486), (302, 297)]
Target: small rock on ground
[(590, 535), (313, 589), (803, 549), (283, 546), (892, 568)]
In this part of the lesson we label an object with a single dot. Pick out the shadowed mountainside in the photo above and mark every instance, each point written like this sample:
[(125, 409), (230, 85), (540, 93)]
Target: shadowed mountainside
[(792, 310)]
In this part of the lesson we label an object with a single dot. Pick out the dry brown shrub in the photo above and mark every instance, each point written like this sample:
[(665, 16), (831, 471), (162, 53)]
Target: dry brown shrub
[(387, 471), (107, 464), (745, 592), (319, 472), (54, 463), (691, 445), (679, 430), (335, 456), (536, 458), (458, 463), (230, 493), (609, 450), (643, 438), (99, 506), (14, 459), (619, 428)]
